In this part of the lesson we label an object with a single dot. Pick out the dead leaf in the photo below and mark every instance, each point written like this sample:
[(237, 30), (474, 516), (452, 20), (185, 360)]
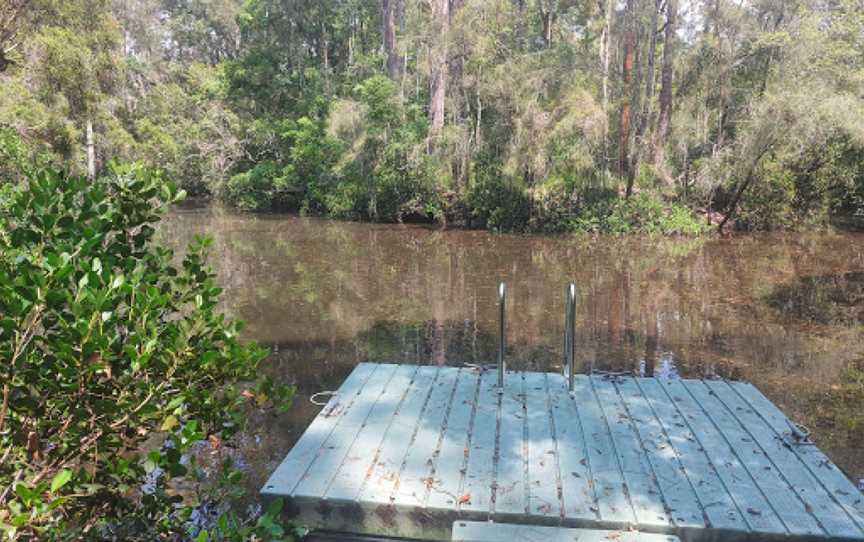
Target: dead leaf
[(33, 446)]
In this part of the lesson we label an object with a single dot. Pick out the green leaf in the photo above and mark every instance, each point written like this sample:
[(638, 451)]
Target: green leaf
[(275, 507), (170, 423), (60, 479), (203, 536), (175, 403), (24, 493), (118, 281), (149, 466)]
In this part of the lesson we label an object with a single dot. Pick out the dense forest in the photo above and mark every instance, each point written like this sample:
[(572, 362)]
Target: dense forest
[(527, 115)]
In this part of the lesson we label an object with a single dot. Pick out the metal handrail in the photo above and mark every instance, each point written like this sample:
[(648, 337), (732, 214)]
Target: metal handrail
[(502, 301), (570, 335)]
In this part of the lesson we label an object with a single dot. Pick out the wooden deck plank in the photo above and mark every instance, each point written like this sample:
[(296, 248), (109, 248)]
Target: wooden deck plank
[(469, 531), (645, 495), (747, 496), (815, 500), (542, 463), (479, 479), (613, 501), (782, 498), (335, 448), (385, 472), (414, 477), (684, 506), (577, 488), (449, 465), (295, 465), (358, 462), (510, 495), (817, 463), (718, 507)]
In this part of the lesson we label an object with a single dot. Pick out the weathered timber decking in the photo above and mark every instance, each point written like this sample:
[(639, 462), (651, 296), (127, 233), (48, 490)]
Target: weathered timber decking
[(481, 531), (406, 450)]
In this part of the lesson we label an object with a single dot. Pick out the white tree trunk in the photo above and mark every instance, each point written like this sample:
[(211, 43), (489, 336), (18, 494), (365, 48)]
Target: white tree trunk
[(439, 66), (91, 150)]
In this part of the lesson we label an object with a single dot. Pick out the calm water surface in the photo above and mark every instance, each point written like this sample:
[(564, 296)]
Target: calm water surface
[(784, 311)]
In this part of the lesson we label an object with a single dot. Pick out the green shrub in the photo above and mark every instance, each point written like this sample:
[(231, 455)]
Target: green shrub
[(383, 172), (297, 176), (500, 203), (251, 190), (184, 127), (767, 204), (17, 160), (309, 161), (107, 347), (641, 213), (406, 183), (843, 173)]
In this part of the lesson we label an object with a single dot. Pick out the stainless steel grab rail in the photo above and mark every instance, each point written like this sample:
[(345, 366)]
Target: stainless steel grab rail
[(502, 340), (569, 367), (570, 335)]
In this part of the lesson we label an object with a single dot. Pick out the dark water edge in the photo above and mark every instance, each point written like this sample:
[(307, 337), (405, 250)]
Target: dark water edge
[(783, 310)]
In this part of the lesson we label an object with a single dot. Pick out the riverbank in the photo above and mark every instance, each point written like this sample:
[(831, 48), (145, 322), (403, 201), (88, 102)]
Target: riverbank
[(641, 217)]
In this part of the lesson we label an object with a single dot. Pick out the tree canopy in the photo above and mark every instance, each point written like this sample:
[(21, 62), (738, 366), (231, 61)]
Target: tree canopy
[(511, 114)]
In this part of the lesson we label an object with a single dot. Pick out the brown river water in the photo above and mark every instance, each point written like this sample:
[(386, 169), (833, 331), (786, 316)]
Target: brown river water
[(783, 311)]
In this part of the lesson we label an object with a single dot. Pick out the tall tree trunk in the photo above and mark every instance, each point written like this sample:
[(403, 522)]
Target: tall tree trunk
[(324, 55), (604, 61), (547, 16), (352, 36), (520, 24), (439, 65), (645, 114), (388, 16), (477, 133), (743, 185), (666, 89), (626, 82), (91, 149)]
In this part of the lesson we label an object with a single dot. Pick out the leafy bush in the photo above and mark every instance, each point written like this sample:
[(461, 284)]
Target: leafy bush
[(384, 172), (17, 160), (843, 173), (107, 350), (499, 202), (184, 127), (768, 203), (641, 213), (309, 161), (405, 182), (252, 190)]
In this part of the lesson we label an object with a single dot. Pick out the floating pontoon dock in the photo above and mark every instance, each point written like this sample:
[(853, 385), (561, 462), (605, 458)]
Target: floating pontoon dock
[(407, 450)]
